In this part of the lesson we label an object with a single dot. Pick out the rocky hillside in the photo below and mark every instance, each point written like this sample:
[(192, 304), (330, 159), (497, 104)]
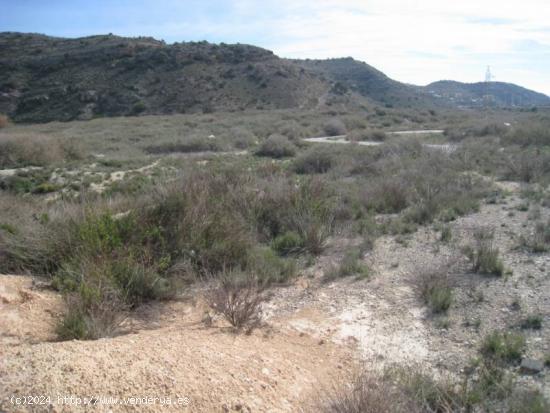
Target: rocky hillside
[(352, 75), (45, 78), (498, 94)]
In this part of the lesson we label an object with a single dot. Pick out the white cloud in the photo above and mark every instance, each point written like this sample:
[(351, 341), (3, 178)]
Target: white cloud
[(419, 42)]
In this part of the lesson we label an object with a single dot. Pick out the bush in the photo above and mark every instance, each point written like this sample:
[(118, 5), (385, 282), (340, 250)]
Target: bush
[(92, 313), (366, 393), (238, 297), (334, 127), (396, 390), (503, 347), (539, 241), (532, 322), (484, 255), (317, 160), (351, 264), (306, 208), (386, 195), (287, 243), (276, 146), (436, 291)]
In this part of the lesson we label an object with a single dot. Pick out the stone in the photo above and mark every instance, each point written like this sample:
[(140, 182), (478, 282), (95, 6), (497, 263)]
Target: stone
[(531, 366)]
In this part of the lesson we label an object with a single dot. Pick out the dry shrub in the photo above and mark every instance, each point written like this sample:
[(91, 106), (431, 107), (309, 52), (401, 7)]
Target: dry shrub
[(35, 150), (386, 195), (528, 165), (238, 297)]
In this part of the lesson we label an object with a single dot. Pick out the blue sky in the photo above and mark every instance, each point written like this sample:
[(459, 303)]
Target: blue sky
[(411, 41)]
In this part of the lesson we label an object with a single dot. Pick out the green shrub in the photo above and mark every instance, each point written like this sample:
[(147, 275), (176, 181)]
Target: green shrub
[(276, 146), (505, 347), (94, 311), (351, 264), (436, 291), (287, 243), (533, 322)]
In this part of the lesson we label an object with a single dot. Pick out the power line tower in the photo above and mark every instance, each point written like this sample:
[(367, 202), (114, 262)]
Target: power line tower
[(487, 97), (488, 75)]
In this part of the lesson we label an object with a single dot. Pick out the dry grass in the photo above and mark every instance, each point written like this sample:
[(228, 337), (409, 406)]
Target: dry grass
[(35, 150)]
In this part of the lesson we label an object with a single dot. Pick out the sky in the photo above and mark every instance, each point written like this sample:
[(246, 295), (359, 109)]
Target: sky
[(416, 42)]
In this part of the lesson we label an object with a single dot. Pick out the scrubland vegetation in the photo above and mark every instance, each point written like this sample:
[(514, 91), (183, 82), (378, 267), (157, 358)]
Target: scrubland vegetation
[(243, 223)]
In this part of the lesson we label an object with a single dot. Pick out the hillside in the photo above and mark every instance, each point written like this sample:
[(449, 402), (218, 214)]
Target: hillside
[(498, 94), (44, 78), (350, 74)]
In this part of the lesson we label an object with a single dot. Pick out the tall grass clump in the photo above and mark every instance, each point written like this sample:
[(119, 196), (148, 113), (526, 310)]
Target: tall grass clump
[(483, 254)]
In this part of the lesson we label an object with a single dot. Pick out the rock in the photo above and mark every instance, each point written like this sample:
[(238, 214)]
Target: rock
[(531, 366)]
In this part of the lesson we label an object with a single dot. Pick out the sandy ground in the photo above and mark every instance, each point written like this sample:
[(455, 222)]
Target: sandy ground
[(173, 357)]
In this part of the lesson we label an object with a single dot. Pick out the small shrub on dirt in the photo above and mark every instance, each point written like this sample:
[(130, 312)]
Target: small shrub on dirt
[(532, 322), (539, 241), (529, 402), (276, 146), (351, 264), (484, 255), (446, 234), (503, 347), (92, 312), (436, 291), (238, 297), (366, 393)]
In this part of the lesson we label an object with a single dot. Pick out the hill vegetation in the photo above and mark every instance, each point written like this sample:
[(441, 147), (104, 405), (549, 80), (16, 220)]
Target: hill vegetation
[(45, 79)]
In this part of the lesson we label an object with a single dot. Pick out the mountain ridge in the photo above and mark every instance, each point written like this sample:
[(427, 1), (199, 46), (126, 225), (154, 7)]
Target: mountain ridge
[(44, 78)]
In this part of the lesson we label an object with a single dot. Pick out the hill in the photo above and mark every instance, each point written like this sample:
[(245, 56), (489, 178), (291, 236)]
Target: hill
[(350, 74), (498, 94), (45, 78)]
